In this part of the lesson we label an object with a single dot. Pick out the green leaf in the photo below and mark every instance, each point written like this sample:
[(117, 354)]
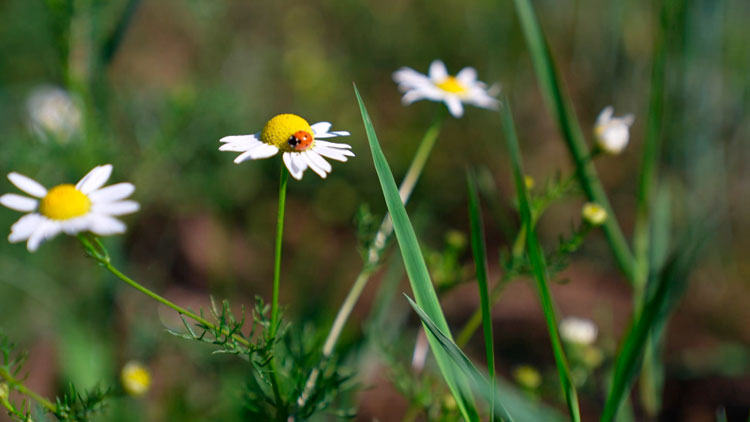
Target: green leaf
[(458, 358), (538, 265), (562, 111), (417, 271), (480, 262)]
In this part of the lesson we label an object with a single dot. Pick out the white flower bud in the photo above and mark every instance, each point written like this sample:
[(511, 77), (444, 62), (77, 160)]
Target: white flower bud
[(612, 133), (578, 330)]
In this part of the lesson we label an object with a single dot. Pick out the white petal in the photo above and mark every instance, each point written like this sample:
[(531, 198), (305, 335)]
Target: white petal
[(454, 106), (438, 72), (409, 77), (46, 230), (335, 145), (320, 128), (239, 143), (314, 167), (257, 152), (105, 225), (22, 229), (76, 225), (605, 115), (335, 154), (18, 202), (116, 208), (28, 185), (467, 76), (295, 171), (628, 119), (115, 192), (95, 179), (412, 96)]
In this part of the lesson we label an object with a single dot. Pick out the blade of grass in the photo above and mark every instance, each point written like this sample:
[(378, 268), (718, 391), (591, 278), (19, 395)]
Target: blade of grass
[(458, 357), (416, 269), (662, 297), (560, 108), (538, 265), (480, 262)]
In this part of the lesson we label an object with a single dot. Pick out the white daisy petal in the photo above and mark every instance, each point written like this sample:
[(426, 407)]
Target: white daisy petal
[(47, 229), (104, 225), (239, 143), (438, 72), (116, 208), (28, 185), (410, 77), (257, 152), (605, 115), (454, 106), (335, 154), (320, 128), (335, 145), (76, 225), (18, 202), (112, 193), (313, 166), (95, 179), (24, 227), (467, 76), (291, 165)]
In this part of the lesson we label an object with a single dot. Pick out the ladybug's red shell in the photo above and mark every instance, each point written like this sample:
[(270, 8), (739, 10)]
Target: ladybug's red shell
[(301, 140)]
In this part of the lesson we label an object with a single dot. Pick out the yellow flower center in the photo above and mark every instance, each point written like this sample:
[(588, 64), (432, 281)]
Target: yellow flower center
[(452, 85), (280, 130), (136, 379), (64, 202)]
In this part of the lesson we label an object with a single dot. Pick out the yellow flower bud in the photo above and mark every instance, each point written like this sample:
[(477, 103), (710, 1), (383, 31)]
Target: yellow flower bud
[(136, 379), (527, 376), (594, 214)]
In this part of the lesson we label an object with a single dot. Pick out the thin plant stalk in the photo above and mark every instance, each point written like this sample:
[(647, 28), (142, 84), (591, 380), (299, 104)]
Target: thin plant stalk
[(284, 179), (375, 251), (18, 386)]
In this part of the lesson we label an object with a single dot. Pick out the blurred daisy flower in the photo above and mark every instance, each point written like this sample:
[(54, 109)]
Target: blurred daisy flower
[(53, 113), (594, 214), (438, 85), (578, 330), (68, 208), (136, 379), (299, 142), (612, 133)]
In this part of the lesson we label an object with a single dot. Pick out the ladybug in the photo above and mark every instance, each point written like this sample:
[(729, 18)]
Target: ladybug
[(300, 141)]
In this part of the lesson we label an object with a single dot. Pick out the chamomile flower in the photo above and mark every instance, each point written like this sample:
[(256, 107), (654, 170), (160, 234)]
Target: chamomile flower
[(299, 142), (68, 208), (438, 85), (594, 214), (612, 133), (53, 113), (578, 330), (136, 379)]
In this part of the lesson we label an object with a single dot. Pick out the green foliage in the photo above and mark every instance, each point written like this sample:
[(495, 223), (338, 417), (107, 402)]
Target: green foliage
[(75, 406)]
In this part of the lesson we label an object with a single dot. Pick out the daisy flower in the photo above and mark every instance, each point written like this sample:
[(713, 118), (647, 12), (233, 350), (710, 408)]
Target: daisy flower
[(578, 330), (299, 142), (68, 208), (612, 133), (438, 85), (135, 378), (594, 214)]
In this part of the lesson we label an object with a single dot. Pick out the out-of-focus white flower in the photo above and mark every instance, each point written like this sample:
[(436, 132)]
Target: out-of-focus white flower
[(68, 208), (578, 330), (53, 113), (136, 379), (438, 85), (612, 133), (594, 214), (299, 141)]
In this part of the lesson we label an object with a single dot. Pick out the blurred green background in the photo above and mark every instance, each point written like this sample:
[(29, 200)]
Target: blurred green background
[(158, 83)]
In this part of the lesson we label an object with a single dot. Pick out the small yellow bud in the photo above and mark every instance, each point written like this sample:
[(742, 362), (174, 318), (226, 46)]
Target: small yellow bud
[(594, 214), (136, 379), (4, 391), (530, 182), (449, 402), (527, 376)]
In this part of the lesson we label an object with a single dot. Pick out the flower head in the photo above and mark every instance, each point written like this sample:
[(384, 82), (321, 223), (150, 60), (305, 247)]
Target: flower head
[(612, 133), (299, 142), (578, 330), (136, 379), (438, 85), (68, 208), (527, 376), (594, 214), (52, 111)]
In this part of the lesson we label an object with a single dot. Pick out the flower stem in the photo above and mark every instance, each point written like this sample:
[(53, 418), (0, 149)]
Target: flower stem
[(104, 260), (375, 250), (18, 386), (277, 259)]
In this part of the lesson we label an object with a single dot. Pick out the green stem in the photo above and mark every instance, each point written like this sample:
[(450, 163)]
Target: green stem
[(375, 250), (18, 386), (277, 258)]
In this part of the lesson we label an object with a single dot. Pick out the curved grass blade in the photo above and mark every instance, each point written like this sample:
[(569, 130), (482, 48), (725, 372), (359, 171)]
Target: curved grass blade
[(480, 262), (538, 265), (458, 357), (416, 269), (563, 112)]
